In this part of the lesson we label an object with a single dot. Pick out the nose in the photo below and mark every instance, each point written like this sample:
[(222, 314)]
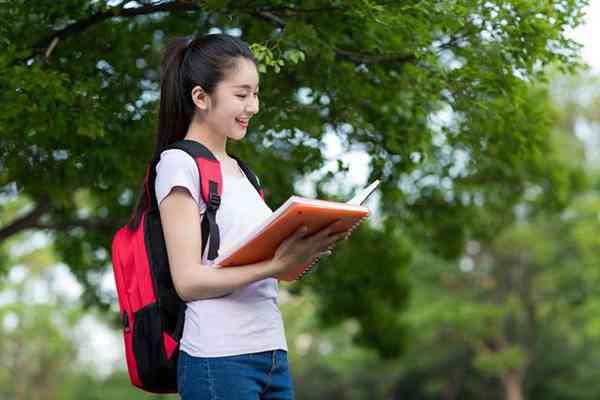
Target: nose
[(253, 106)]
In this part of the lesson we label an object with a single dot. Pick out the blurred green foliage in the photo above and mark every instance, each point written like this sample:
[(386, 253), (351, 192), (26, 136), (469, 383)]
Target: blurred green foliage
[(440, 95)]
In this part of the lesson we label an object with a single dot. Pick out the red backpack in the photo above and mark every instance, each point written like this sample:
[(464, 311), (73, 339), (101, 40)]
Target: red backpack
[(151, 311)]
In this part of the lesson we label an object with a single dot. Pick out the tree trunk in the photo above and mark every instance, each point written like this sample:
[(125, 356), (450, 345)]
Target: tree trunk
[(452, 389), (513, 387)]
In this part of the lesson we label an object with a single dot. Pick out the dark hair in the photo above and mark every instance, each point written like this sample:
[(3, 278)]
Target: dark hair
[(204, 61)]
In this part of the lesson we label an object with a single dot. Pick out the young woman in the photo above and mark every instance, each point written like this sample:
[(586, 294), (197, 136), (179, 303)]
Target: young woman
[(233, 344)]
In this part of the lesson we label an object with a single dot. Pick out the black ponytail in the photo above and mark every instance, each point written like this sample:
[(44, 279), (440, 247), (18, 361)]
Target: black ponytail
[(203, 61)]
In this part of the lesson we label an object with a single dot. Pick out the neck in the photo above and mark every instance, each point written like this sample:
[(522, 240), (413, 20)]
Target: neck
[(200, 132)]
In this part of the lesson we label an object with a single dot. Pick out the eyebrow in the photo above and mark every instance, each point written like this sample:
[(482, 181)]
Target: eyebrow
[(246, 87)]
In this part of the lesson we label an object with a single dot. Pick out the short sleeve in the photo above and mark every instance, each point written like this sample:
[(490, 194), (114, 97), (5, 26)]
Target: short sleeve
[(177, 168)]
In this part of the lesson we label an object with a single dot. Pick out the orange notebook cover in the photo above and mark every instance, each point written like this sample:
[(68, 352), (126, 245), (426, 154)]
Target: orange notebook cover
[(261, 244)]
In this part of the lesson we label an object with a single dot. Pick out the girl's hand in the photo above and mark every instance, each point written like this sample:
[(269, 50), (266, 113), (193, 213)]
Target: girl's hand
[(298, 249)]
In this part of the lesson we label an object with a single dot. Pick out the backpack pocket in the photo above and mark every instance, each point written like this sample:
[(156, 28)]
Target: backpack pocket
[(156, 371)]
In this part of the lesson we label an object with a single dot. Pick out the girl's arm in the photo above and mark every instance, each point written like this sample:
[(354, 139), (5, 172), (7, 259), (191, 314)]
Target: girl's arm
[(182, 230), (181, 224)]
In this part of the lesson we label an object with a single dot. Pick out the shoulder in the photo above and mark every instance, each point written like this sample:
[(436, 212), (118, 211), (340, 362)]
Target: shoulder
[(176, 158), (176, 168)]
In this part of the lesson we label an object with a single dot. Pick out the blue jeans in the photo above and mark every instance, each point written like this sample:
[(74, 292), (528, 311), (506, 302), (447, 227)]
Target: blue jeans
[(253, 376)]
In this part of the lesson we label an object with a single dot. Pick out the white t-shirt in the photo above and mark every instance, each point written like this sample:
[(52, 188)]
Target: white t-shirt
[(248, 320)]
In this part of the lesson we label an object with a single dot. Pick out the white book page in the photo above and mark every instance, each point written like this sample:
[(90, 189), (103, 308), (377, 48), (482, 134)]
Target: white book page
[(364, 194)]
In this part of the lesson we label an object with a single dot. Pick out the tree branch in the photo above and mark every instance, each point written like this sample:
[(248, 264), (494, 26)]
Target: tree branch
[(375, 58), (29, 220), (46, 44), (354, 56), (294, 10), (94, 224), (32, 220), (270, 17)]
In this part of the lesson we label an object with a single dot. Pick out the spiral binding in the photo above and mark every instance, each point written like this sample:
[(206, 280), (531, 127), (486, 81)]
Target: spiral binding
[(311, 267)]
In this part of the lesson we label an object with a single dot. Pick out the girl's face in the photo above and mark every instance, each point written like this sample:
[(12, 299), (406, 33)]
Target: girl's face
[(235, 101)]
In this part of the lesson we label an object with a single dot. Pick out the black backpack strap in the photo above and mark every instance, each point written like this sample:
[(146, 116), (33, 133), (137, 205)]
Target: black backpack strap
[(210, 220), (178, 331), (251, 176), (211, 187), (205, 232)]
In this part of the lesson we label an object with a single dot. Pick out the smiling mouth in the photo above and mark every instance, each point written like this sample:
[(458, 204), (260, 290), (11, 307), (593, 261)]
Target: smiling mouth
[(242, 122)]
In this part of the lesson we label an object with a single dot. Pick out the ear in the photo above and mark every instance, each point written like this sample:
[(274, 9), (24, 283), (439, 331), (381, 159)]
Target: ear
[(200, 98)]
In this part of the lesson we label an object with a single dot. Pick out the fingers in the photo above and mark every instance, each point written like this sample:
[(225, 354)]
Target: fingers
[(324, 253), (340, 235), (329, 243), (325, 238), (301, 231), (323, 241), (337, 237), (298, 233), (327, 230), (294, 237)]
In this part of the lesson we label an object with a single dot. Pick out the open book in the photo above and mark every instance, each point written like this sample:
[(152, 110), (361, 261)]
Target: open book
[(263, 241)]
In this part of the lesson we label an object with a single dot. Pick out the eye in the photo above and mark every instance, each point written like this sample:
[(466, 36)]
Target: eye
[(243, 96)]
